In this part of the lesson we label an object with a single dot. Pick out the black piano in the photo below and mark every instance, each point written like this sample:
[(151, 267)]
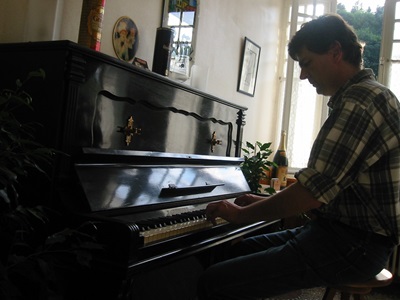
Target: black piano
[(145, 156)]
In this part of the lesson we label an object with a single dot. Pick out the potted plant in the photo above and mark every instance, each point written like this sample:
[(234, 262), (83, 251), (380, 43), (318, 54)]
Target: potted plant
[(19, 152), (256, 165), (38, 252)]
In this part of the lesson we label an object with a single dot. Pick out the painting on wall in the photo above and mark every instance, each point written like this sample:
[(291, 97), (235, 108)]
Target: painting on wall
[(249, 68), (125, 39), (180, 5)]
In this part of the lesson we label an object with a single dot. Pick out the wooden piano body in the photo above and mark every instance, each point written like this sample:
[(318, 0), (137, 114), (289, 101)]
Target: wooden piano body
[(145, 156)]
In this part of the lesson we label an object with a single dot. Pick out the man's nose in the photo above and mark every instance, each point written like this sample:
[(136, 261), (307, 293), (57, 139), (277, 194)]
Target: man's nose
[(303, 74)]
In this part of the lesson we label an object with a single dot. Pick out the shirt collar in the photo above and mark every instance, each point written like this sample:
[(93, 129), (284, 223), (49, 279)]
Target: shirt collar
[(360, 76)]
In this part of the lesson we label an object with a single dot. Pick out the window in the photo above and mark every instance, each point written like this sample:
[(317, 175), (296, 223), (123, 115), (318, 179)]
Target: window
[(180, 15), (303, 109), (389, 67)]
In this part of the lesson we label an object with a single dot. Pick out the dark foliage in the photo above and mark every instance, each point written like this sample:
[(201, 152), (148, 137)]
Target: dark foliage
[(20, 153), (368, 27), (40, 256)]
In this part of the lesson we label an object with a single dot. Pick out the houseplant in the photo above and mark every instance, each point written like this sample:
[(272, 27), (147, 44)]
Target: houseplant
[(19, 152), (37, 250), (256, 165)]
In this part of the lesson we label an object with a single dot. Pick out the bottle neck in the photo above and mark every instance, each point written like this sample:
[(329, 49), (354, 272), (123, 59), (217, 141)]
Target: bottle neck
[(282, 144)]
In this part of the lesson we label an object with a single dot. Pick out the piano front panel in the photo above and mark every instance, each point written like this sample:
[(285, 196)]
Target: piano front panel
[(109, 187), (155, 127), (171, 117)]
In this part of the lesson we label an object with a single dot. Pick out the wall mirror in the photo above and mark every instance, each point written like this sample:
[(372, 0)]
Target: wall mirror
[(181, 15)]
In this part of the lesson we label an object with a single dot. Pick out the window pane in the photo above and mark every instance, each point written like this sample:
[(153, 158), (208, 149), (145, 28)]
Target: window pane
[(394, 78), (396, 51), (320, 10), (304, 120), (176, 33), (183, 34), (397, 15), (188, 18), (186, 34), (396, 33), (306, 106), (310, 9), (174, 18)]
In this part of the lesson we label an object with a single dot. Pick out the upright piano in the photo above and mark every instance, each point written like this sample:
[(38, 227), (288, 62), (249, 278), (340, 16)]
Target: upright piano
[(145, 155)]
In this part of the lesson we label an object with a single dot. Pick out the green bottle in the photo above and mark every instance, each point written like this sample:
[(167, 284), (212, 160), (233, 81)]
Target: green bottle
[(281, 161)]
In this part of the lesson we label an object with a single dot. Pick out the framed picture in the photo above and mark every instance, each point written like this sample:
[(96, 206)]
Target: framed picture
[(125, 39), (249, 68)]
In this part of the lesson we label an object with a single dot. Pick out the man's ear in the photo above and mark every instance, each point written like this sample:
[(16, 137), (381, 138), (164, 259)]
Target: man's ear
[(336, 51)]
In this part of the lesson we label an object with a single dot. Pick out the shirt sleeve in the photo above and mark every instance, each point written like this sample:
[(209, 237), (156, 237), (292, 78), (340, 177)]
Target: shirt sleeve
[(344, 147)]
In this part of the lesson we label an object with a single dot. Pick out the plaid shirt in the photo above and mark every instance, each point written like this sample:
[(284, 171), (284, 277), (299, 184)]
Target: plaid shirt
[(354, 165)]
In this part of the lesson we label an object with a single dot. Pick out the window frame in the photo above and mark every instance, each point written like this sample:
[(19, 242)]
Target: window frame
[(386, 62), (188, 59), (288, 80)]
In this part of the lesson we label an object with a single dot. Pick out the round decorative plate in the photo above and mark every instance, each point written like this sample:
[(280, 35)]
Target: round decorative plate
[(125, 39)]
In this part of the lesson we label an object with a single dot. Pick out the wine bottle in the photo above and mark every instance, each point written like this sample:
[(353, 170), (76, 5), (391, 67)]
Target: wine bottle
[(281, 161)]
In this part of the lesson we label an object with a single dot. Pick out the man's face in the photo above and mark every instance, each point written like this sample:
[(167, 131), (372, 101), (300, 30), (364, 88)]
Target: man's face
[(319, 70)]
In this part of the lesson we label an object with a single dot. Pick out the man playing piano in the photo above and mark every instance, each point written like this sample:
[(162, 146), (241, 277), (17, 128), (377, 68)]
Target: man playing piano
[(351, 183)]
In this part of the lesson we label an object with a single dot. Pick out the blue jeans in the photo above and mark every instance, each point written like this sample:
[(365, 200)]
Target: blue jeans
[(321, 253)]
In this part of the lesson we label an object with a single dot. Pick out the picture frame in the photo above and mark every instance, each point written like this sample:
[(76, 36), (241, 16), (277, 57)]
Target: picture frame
[(125, 39), (249, 68)]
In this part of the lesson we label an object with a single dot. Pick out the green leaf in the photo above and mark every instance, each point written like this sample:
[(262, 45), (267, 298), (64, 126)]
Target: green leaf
[(249, 145), (255, 163)]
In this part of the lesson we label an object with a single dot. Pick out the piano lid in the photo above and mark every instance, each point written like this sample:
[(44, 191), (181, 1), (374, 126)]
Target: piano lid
[(150, 180)]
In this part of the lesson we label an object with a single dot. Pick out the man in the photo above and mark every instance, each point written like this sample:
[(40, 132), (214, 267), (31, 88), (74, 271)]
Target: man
[(351, 183)]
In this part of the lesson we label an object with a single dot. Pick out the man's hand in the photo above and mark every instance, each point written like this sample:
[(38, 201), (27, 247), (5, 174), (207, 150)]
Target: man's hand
[(223, 209), (291, 201)]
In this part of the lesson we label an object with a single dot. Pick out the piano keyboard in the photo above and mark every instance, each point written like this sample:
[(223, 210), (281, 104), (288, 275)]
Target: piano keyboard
[(155, 230)]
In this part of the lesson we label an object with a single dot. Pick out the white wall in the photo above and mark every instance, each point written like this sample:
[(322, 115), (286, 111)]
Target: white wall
[(222, 27)]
